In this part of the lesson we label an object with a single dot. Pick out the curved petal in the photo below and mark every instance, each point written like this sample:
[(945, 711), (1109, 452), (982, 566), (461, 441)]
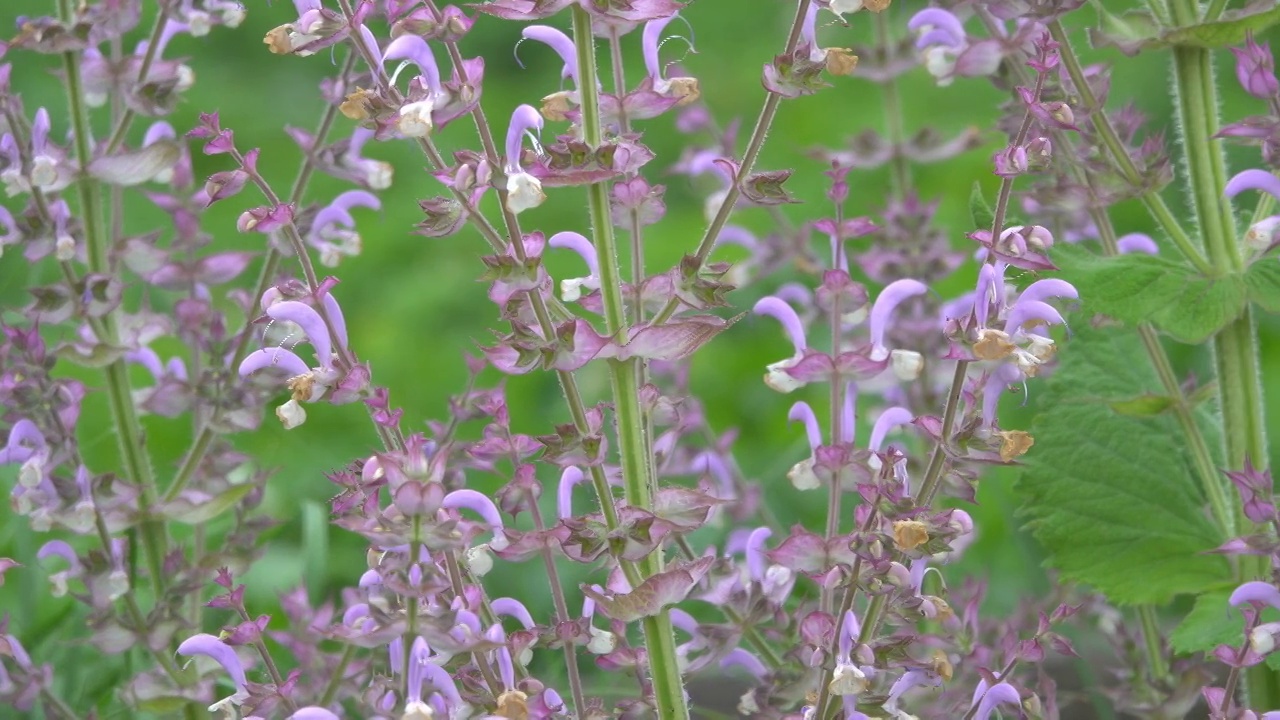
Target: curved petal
[(275, 357), (1031, 311), (510, 607), (222, 653), (559, 42), (785, 314), (523, 119), (893, 295), (1256, 592), (1048, 288), (564, 492), (888, 420), (1253, 179), (756, 560), (801, 411), (306, 317), (579, 244), (416, 50), (1137, 242), (650, 41)]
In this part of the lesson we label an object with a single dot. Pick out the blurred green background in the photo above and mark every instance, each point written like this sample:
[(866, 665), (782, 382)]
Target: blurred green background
[(413, 305)]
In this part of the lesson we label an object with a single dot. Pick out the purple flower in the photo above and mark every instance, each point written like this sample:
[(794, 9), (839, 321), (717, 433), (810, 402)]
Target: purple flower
[(524, 191), (564, 492), (571, 288), (307, 384), (999, 694), (559, 42), (222, 653), (776, 308), (1256, 593), (333, 232), (1255, 69), (802, 475), (946, 49), (907, 364)]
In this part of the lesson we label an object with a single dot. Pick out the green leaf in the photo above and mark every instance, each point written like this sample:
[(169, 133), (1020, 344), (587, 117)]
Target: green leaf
[(1138, 288), (1147, 405), (1203, 308), (1113, 498), (1213, 622), (1222, 33), (184, 511), (1133, 288), (1263, 282), (979, 209), (1128, 32)]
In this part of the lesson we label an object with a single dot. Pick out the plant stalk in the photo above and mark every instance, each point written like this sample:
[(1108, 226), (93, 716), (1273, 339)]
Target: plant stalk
[(1235, 347), (633, 445)]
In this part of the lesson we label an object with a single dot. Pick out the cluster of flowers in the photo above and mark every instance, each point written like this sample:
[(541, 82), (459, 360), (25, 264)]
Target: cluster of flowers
[(848, 620)]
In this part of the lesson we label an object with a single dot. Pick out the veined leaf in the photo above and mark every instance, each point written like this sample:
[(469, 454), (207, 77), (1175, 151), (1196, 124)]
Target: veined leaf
[(1113, 498), (1222, 33)]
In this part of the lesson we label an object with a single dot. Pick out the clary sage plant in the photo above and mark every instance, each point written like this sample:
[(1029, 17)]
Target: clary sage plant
[(1143, 475)]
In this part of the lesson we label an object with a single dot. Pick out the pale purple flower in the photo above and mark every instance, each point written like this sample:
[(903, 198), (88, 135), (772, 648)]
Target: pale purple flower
[(572, 288), (561, 43), (564, 491), (999, 694), (906, 364), (777, 377), (308, 384), (333, 230), (211, 647), (524, 191)]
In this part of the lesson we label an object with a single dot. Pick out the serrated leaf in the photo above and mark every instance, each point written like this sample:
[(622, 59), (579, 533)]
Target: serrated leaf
[(1138, 288), (1148, 405), (1222, 33), (979, 209), (1203, 308), (184, 510), (1211, 622), (1113, 499), (1133, 288), (1263, 282)]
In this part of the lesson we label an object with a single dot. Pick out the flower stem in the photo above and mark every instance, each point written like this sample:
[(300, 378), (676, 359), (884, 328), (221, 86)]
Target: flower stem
[(754, 144), (634, 449), (1235, 347), (1120, 156), (137, 464)]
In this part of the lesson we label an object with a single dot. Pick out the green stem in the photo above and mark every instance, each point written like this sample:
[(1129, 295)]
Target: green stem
[(137, 464), (1156, 661), (754, 144), (1151, 199), (1235, 347), (1214, 11), (633, 445)]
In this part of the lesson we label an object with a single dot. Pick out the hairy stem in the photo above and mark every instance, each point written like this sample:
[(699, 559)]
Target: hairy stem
[(754, 144), (1235, 347), (129, 434), (1151, 199), (633, 444)]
